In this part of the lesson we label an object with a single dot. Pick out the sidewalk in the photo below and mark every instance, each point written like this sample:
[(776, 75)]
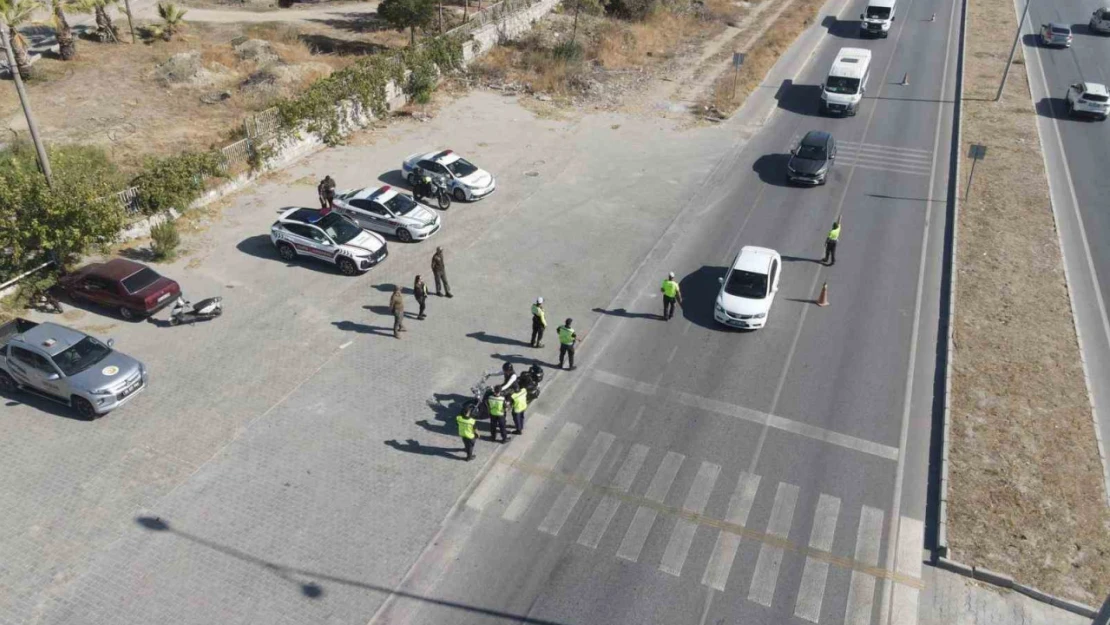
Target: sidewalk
[(952, 599)]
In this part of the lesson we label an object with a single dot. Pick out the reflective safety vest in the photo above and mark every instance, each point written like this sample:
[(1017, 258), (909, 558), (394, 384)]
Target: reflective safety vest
[(520, 401), (537, 311), (566, 335), (670, 288), (496, 406), (834, 234), (466, 426)]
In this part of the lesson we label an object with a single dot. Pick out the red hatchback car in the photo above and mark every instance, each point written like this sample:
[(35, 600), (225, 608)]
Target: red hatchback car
[(129, 288)]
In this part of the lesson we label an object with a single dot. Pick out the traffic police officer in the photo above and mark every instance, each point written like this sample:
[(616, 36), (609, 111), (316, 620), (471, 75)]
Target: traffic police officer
[(568, 338), (466, 423), (496, 404), (539, 322), (830, 244), (671, 294), (520, 404)]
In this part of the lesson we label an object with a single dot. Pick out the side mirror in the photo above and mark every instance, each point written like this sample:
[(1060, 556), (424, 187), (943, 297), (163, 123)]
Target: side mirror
[(720, 280), (53, 377), (892, 18), (862, 16), (111, 342)]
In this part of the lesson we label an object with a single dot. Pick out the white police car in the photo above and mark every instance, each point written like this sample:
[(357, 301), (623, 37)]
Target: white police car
[(464, 179), (333, 238), (385, 210)]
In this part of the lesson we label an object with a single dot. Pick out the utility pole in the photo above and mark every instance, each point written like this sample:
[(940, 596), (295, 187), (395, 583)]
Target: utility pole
[(1013, 50), (44, 161), (130, 22)]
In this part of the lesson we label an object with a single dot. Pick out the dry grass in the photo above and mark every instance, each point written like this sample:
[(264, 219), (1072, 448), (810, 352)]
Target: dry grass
[(1026, 494)]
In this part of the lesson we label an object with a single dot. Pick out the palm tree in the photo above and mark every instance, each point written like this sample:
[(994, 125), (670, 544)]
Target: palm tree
[(67, 43), (173, 17), (105, 29), (16, 13)]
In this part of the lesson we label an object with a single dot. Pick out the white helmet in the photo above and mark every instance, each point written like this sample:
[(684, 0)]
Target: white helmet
[(539, 300), (671, 275)]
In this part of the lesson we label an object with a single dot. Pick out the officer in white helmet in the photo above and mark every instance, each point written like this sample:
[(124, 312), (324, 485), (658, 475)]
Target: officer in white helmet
[(539, 322)]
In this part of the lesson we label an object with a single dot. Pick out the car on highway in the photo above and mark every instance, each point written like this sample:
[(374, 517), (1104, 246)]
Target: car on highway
[(67, 366), (387, 210), (811, 161), (464, 180), (748, 289), (843, 90), (1100, 21), (331, 237), (1088, 99), (877, 18), (1053, 34), (130, 289)]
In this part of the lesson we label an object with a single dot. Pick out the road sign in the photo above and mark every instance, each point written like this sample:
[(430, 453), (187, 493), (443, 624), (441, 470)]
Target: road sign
[(978, 152), (738, 59)]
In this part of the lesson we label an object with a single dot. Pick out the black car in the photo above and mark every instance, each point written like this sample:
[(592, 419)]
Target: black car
[(810, 162)]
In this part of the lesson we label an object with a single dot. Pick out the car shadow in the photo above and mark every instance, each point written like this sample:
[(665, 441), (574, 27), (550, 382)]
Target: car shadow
[(40, 403), (1083, 29), (496, 340), (1055, 108), (699, 290), (362, 328), (395, 178), (415, 447), (799, 99), (844, 29), (772, 169), (1031, 40), (625, 314)]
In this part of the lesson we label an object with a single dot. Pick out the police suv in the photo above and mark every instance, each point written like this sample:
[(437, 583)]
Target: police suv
[(332, 237)]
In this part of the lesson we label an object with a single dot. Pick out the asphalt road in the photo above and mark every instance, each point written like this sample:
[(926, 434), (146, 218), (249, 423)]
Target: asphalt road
[(1075, 153), (688, 474)]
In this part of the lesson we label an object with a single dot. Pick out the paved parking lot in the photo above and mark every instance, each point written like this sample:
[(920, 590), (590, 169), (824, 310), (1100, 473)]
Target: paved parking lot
[(290, 460)]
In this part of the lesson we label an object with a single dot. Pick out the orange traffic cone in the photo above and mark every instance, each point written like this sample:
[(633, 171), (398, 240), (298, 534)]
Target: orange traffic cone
[(823, 298)]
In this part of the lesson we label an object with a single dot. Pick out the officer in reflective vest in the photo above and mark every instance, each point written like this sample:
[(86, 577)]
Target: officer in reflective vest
[(466, 423), (568, 338), (520, 404), (830, 244), (496, 404), (539, 322), (671, 294)]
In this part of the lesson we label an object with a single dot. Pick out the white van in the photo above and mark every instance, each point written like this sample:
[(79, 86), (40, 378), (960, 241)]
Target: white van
[(877, 19), (847, 82)]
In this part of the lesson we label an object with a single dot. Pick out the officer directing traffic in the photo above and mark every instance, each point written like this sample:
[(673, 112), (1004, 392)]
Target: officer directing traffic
[(830, 244), (539, 322), (568, 339), (671, 294), (466, 423)]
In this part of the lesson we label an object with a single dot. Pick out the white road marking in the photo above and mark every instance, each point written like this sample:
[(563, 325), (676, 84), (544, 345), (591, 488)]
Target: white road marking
[(563, 440), (904, 161), (683, 535), (673, 352), (636, 419), (559, 512), (603, 514), (904, 603), (490, 487), (346, 345), (890, 169), (861, 588), (766, 573), (876, 146), (724, 552), (638, 531), (753, 416), (812, 591)]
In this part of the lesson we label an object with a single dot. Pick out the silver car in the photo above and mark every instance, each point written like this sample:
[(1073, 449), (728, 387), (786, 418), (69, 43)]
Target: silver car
[(385, 210), (67, 366), (1053, 34)]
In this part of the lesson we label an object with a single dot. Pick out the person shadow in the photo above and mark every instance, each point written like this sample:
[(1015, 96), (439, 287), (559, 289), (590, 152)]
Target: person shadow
[(413, 446), (622, 312)]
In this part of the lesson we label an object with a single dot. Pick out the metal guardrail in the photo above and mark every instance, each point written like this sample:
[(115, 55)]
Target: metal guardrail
[(236, 153), (128, 200), (262, 124)]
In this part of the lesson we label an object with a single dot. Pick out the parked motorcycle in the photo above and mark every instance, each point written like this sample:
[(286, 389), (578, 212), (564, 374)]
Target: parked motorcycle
[(433, 187), (185, 312)]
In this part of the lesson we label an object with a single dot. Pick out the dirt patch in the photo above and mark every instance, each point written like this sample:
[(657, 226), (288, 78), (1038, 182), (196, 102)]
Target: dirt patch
[(1026, 495)]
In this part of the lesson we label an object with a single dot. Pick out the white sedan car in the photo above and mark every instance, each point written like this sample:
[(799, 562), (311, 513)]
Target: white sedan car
[(749, 288), (385, 210), (465, 180)]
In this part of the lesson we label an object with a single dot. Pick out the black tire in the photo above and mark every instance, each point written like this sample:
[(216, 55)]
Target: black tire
[(347, 266), (404, 235), (7, 384), (126, 313), (84, 409), (444, 201), (287, 252), (174, 320), (460, 195)]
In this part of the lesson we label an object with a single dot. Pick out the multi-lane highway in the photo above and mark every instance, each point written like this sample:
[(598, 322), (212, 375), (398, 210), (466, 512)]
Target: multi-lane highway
[(688, 474), (1075, 153)]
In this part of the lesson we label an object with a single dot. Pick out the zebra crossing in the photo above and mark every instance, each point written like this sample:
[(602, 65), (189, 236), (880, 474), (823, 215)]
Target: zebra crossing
[(891, 159), (866, 578)]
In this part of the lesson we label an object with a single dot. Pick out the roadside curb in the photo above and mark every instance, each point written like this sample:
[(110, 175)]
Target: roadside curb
[(1005, 581)]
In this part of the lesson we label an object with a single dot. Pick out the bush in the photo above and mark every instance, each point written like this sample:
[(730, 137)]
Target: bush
[(164, 240), (568, 52), (175, 181)]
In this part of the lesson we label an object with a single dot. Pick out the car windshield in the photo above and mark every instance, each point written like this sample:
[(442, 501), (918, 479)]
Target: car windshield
[(339, 229), (878, 13), (812, 152), (461, 168), (1061, 30), (839, 84), (86, 353), (140, 280), (1094, 97), (400, 204), (747, 284)]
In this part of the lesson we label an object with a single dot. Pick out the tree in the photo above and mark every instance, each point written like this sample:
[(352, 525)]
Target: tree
[(67, 43), (17, 13), (105, 29), (410, 14), (173, 18)]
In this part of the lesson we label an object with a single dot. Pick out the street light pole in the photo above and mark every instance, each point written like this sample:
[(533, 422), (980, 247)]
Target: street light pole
[(1013, 50), (44, 161)]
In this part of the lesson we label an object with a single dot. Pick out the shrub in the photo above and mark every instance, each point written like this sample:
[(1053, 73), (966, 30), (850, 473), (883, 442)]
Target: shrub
[(164, 240), (175, 181), (568, 52)]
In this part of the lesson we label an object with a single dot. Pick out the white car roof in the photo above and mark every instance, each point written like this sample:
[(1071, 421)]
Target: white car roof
[(1095, 88), (381, 194), (754, 259), (851, 63), (888, 4)]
